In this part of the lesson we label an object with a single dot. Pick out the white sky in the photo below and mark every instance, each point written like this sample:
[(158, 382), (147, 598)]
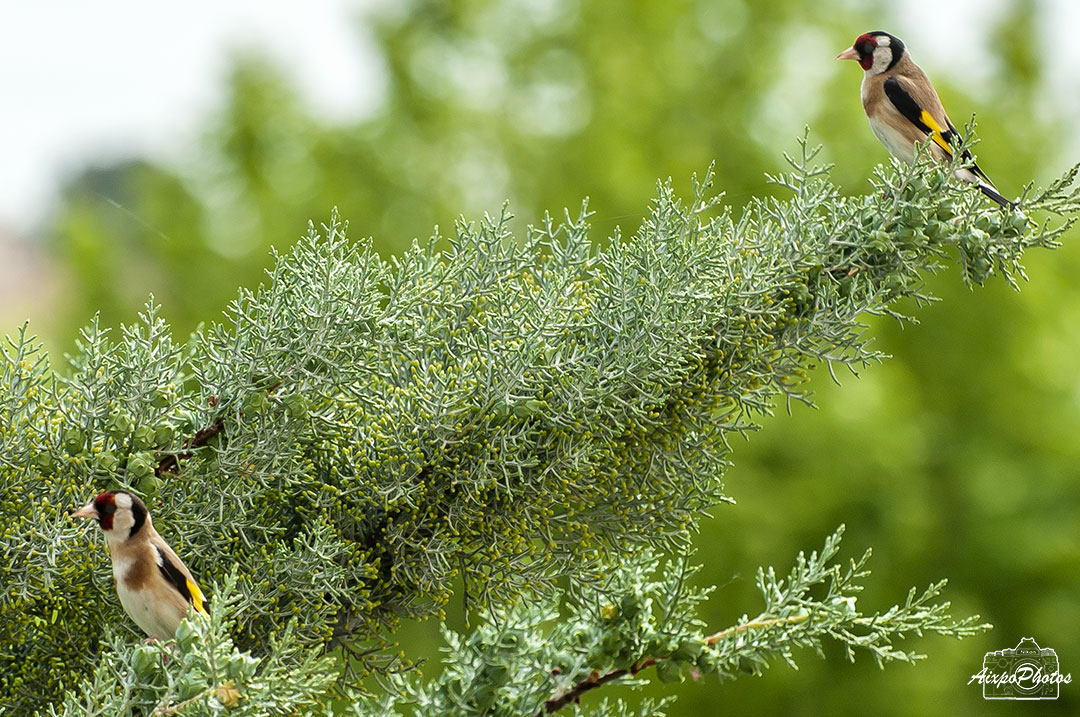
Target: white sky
[(142, 76)]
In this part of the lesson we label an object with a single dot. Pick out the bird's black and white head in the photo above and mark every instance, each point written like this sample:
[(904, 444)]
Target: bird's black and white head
[(119, 513), (876, 52)]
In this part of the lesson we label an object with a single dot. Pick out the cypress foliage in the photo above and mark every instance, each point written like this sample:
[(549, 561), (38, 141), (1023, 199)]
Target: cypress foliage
[(356, 434)]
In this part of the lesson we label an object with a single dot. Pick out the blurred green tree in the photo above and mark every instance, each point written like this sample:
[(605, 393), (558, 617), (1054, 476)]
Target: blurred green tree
[(538, 103), (956, 458)]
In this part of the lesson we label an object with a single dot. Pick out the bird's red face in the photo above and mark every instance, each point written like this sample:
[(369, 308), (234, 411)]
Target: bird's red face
[(102, 509), (862, 51), (865, 45)]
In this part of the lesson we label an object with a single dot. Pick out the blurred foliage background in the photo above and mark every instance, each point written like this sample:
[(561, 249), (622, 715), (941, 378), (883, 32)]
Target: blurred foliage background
[(958, 458)]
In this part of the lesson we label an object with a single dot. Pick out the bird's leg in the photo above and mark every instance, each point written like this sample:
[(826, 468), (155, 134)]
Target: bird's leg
[(166, 658)]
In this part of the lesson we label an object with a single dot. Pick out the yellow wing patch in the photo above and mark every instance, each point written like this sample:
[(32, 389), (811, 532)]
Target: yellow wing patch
[(197, 598), (936, 132)]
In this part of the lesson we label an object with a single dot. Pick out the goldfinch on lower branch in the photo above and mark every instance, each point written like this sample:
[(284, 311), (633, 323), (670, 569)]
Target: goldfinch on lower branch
[(155, 587), (904, 109)]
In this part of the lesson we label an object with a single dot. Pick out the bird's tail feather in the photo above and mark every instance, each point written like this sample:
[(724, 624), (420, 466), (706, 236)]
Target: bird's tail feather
[(989, 191)]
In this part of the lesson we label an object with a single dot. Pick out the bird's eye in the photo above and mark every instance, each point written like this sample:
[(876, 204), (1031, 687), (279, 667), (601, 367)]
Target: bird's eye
[(108, 509)]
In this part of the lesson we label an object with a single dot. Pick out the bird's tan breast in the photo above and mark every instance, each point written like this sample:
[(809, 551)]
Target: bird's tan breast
[(870, 91), (155, 606), (133, 565)]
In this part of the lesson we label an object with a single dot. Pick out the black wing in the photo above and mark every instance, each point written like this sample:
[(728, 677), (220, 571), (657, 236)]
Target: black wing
[(911, 110), (175, 577), (944, 137)]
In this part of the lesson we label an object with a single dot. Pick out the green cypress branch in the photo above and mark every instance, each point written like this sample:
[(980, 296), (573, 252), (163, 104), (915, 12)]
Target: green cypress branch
[(529, 659), (359, 433)]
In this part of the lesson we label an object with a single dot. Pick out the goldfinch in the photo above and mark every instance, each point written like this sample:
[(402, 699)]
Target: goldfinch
[(155, 587), (904, 109)]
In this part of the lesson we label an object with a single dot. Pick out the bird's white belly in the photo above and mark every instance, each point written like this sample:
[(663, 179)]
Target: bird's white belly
[(899, 146), (144, 610)]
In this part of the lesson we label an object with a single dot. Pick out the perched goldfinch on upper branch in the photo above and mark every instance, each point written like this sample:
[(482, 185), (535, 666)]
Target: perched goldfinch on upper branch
[(904, 108), (154, 585)]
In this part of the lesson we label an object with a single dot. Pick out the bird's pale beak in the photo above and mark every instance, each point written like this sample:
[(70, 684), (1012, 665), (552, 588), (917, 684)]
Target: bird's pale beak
[(87, 511), (849, 54)]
